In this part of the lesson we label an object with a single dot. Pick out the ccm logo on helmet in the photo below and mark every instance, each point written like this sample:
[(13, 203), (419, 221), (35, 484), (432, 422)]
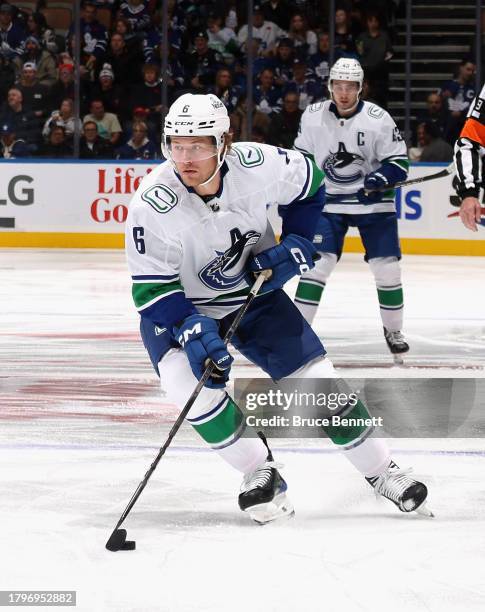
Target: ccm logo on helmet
[(183, 122)]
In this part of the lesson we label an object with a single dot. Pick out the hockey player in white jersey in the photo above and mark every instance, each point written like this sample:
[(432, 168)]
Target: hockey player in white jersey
[(196, 225), (360, 149)]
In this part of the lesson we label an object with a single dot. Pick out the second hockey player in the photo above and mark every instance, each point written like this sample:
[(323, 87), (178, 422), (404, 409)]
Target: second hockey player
[(359, 148)]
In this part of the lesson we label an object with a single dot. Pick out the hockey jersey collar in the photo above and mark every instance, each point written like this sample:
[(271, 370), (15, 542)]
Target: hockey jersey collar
[(333, 108), (224, 169)]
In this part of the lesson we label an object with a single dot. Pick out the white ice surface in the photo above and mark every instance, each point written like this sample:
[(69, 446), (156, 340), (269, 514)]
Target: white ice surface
[(81, 421)]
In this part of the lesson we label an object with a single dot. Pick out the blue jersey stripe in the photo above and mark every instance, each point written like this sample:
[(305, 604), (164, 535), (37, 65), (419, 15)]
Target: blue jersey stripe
[(164, 277), (305, 186)]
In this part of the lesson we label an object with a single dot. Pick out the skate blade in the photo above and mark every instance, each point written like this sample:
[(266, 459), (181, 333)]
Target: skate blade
[(279, 507), (424, 511), (397, 358)]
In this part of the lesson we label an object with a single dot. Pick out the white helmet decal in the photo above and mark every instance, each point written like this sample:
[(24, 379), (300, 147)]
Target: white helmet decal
[(346, 69)]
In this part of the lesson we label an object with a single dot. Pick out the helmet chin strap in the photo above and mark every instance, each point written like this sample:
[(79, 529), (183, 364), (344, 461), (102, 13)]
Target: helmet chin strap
[(221, 155)]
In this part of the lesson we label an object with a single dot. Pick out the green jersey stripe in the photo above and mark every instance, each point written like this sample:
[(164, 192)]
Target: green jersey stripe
[(146, 294), (401, 163), (316, 180)]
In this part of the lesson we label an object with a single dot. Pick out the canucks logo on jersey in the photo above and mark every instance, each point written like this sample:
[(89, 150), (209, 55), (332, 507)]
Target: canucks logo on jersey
[(342, 167), (216, 274)]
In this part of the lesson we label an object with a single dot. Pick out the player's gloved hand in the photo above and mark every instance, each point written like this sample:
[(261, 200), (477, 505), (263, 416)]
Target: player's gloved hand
[(199, 337), (372, 182), (294, 255), (375, 180), (371, 197)]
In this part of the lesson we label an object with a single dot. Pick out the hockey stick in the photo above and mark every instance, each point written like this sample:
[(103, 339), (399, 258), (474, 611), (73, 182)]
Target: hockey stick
[(422, 179), (117, 540)]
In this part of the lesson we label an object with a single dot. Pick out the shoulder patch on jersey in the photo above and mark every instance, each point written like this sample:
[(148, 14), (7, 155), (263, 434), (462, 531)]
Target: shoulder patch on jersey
[(375, 112), (160, 197), (249, 155), (316, 106)]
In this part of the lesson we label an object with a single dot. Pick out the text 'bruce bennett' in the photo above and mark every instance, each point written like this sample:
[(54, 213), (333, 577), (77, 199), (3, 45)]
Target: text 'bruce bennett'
[(297, 421)]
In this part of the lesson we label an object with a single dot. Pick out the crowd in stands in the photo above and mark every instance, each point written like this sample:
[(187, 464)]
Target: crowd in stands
[(438, 127), (121, 59)]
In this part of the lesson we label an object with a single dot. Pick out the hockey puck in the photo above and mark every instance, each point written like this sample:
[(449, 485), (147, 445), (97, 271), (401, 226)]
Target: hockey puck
[(129, 545)]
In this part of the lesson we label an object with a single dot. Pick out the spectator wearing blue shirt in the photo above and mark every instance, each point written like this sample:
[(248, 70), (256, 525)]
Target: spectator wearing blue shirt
[(319, 62), (12, 147), (304, 84), (461, 90), (93, 34), (25, 123), (12, 33), (283, 61), (153, 47), (458, 94), (267, 96), (139, 146)]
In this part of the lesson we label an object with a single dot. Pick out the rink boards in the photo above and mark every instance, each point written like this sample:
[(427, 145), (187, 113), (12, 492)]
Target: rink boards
[(84, 205)]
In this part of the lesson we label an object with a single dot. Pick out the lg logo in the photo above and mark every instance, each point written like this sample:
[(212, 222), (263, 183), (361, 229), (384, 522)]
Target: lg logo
[(18, 193)]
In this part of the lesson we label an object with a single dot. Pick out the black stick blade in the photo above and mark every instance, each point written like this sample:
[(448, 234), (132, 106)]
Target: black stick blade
[(117, 541)]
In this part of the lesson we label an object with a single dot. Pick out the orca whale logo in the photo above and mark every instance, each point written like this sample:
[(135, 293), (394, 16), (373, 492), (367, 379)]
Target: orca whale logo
[(215, 274), (340, 160)]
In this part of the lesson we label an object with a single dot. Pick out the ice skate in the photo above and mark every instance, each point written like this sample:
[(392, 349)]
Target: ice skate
[(263, 493), (395, 484), (397, 345)]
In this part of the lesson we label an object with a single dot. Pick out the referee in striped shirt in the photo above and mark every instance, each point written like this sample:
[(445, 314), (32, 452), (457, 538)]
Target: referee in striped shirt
[(469, 151)]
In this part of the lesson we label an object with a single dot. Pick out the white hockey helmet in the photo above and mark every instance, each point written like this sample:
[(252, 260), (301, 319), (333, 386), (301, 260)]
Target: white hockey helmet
[(346, 69), (197, 115)]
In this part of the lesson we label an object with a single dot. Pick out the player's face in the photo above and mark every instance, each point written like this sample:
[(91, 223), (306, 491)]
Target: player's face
[(194, 157), (345, 94)]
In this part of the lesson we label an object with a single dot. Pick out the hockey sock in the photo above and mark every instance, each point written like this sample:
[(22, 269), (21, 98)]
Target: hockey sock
[(308, 296), (354, 436), (350, 428), (387, 275), (371, 458), (222, 427), (391, 303)]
